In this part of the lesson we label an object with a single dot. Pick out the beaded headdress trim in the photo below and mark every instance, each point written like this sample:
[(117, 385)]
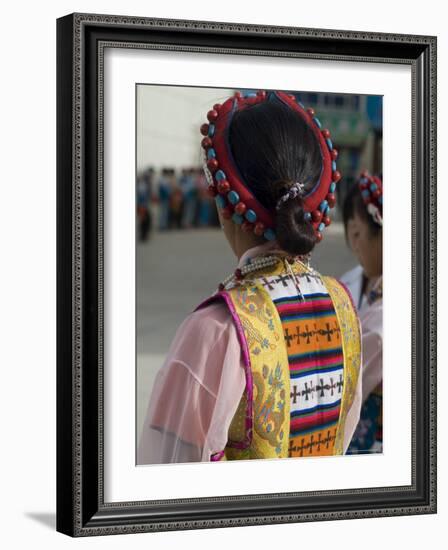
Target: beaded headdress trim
[(233, 197), (371, 188)]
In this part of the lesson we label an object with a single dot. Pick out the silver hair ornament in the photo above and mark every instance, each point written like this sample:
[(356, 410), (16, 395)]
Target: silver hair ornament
[(294, 191)]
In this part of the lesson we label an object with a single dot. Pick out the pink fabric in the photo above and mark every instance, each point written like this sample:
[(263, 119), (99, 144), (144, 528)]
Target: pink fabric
[(245, 443), (198, 388)]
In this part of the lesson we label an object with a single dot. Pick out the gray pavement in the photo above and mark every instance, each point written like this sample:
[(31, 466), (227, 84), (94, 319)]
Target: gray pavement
[(177, 269)]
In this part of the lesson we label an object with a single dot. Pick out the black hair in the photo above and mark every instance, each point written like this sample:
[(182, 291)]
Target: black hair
[(354, 202), (274, 147)]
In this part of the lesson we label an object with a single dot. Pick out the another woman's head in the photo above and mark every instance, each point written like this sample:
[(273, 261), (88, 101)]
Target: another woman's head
[(266, 146), (363, 234)]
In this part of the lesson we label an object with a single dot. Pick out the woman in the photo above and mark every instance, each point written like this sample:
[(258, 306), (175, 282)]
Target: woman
[(363, 221), (266, 367)]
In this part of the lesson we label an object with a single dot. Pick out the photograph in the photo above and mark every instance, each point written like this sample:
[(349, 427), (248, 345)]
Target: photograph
[(246, 272), (283, 191)]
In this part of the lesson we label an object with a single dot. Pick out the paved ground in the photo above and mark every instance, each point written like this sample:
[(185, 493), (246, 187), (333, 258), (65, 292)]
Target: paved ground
[(176, 270)]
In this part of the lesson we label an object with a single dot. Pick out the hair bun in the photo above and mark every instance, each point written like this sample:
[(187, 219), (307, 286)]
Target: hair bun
[(295, 234)]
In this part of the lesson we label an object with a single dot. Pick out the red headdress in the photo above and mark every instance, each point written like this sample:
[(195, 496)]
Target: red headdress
[(371, 188), (226, 185)]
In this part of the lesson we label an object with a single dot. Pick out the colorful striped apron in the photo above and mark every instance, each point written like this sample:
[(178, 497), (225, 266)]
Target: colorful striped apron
[(302, 356)]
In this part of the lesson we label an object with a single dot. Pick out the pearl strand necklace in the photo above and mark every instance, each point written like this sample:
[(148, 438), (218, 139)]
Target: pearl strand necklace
[(258, 263)]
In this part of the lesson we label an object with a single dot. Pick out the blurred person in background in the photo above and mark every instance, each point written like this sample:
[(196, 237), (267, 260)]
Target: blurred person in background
[(363, 222), (143, 193), (164, 194), (176, 201), (268, 366), (189, 194), (205, 202)]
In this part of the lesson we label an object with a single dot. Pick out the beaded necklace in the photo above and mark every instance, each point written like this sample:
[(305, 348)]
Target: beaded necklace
[(260, 262)]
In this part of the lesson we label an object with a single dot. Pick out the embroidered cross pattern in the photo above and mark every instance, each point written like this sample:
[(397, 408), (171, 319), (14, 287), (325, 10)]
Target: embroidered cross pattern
[(309, 389), (329, 333), (284, 278), (313, 443)]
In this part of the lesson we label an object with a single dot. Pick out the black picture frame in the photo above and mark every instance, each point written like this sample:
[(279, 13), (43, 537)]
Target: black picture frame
[(81, 510)]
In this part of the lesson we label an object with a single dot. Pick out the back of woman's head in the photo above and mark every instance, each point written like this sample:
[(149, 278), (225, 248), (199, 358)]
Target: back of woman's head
[(354, 204), (273, 147)]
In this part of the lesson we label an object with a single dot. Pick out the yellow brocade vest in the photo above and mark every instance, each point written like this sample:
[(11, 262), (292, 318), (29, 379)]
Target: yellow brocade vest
[(301, 345)]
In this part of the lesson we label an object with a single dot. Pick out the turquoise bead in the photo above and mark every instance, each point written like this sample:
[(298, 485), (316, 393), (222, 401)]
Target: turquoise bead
[(365, 193), (211, 154), (220, 175), (380, 200), (237, 218), (332, 187), (321, 227), (333, 166), (317, 122), (301, 105), (233, 197), (373, 187), (330, 144), (269, 234), (364, 180), (307, 216), (220, 201), (251, 216), (324, 206), (211, 130)]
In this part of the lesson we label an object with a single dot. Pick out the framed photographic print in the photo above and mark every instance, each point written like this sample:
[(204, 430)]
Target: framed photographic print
[(246, 273)]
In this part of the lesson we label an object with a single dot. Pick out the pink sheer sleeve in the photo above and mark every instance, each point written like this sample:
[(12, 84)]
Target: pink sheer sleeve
[(196, 392)]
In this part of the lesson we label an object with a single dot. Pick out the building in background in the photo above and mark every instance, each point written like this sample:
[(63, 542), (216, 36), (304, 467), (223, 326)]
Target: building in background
[(356, 124)]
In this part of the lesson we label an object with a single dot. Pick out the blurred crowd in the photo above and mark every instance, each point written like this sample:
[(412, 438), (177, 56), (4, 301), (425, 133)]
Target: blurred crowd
[(170, 199)]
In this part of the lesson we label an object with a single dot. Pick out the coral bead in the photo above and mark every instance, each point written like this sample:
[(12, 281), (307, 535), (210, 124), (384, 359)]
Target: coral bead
[(206, 143), (261, 94), (311, 111), (318, 236), (212, 115), (240, 208), (227, 212), (217, 106), (212, 191), (326, 220), (334, 154), (336, 175), (238, 95), (238, 273), (331, 199), (247, 227), (259, 229), (223, 187), (376, 194), (326, 133), (212, 165), (316, 215), (204, 129)]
